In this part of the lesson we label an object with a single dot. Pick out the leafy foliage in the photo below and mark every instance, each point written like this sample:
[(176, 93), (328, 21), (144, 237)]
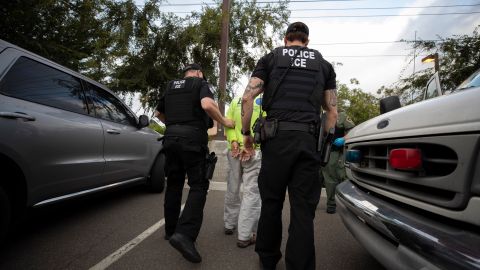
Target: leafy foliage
[(167, 47), (459, 56), (359, 105), (86, 36), (135, 48)]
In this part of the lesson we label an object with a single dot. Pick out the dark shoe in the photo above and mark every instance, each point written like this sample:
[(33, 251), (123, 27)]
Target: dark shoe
[(186, 247), (167, 236), (331, 210), (229, 231), (246, 243), (265, 267)]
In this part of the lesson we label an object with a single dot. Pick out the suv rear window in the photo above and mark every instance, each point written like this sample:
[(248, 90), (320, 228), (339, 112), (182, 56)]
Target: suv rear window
[(39, 83)]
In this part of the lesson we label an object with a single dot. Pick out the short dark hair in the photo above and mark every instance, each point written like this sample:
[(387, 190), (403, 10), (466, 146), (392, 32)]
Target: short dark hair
[(297, 27), (300, 36)]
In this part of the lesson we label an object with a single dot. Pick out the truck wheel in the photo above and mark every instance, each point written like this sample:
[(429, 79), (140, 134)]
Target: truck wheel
[(389, 104), (157, 175), (5, 214)]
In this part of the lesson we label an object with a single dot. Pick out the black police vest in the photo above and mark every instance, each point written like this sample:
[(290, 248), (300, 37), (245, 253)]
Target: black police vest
[(301, 90), (182, 103)]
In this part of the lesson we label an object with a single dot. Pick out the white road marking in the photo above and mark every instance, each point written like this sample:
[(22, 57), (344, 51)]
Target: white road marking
[(115, 256)]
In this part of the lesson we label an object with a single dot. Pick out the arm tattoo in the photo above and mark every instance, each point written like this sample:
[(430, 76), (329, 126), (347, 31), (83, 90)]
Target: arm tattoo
[(333, 98), (253, 89)]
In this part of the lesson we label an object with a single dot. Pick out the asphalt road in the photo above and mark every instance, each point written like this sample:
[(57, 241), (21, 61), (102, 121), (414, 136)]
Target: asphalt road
[(81, 233)]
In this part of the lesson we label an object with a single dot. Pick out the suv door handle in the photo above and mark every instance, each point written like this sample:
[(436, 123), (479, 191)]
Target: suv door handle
[(15, 115), (113, 131)]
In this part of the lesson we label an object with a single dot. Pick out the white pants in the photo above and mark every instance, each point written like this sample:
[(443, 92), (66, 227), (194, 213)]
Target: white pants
[(246, 211)]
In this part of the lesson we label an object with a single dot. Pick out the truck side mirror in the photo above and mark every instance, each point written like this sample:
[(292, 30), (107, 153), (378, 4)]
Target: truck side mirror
[(389, 104), (433, 88)]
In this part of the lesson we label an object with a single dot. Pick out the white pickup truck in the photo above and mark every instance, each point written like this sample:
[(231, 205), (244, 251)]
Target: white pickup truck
[(412, 195)]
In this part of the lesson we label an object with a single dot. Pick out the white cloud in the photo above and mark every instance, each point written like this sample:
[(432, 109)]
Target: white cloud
[(373, 72)]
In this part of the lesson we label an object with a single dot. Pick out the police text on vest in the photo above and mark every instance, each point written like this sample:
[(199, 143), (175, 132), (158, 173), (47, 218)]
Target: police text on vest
[(302, 56), (178, 84)]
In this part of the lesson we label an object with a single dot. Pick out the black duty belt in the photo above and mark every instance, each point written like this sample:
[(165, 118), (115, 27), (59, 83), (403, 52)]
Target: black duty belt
[(175, 127), (175, 130), (296, 126)]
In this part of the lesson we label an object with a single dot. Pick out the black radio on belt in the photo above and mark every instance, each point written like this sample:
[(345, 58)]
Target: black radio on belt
[(211, 160)]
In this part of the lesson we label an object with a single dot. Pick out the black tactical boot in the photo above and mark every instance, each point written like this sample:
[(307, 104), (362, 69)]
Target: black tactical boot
[(185, 246)]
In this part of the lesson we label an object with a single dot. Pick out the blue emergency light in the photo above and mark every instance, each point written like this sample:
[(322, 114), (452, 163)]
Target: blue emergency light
[(353, 156)]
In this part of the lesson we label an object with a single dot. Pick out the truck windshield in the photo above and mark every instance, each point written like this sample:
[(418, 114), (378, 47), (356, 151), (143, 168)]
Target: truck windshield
[(472, 81)]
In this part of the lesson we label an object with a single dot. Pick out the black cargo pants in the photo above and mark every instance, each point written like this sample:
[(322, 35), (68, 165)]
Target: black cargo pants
[(183, 159), (289, 161)]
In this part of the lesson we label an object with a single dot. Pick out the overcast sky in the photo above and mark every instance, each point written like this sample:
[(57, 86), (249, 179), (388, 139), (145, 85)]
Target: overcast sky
[(378, 63), (369, 62)]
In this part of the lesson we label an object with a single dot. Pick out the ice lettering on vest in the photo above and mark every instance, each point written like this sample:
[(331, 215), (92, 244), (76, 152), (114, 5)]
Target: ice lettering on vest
[(299, 62), (302, 56)]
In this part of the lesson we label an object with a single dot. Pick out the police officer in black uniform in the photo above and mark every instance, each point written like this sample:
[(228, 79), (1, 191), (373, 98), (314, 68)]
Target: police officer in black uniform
[(297, 82), (186, 108)]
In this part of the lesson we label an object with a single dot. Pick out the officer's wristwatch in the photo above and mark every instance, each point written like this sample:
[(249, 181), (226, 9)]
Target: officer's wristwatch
[(246, 133)]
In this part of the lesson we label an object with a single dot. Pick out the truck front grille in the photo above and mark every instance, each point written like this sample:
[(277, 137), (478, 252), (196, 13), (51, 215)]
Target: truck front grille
[(438, 160), (439, 182)]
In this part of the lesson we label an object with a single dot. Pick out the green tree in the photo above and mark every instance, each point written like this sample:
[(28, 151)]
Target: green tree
[(138, 48), (359, 105), (165, 47), (459, 56), (86, 36)]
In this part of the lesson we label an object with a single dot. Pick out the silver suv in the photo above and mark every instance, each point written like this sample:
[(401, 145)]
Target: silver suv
[(63, 135)]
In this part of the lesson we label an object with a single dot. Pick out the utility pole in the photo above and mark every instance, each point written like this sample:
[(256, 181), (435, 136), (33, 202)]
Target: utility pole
[(437, 63), (414, 56), (223, 64), (414, 51)]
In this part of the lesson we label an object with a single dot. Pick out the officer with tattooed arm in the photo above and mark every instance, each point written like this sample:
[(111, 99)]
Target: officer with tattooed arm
[(297, 83), (186, 108)]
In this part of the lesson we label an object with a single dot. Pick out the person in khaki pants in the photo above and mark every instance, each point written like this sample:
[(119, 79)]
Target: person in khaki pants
[(242, 213)]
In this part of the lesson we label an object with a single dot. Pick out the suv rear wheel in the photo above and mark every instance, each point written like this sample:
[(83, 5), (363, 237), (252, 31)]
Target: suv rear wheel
[(157, 175), (5, 213)]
